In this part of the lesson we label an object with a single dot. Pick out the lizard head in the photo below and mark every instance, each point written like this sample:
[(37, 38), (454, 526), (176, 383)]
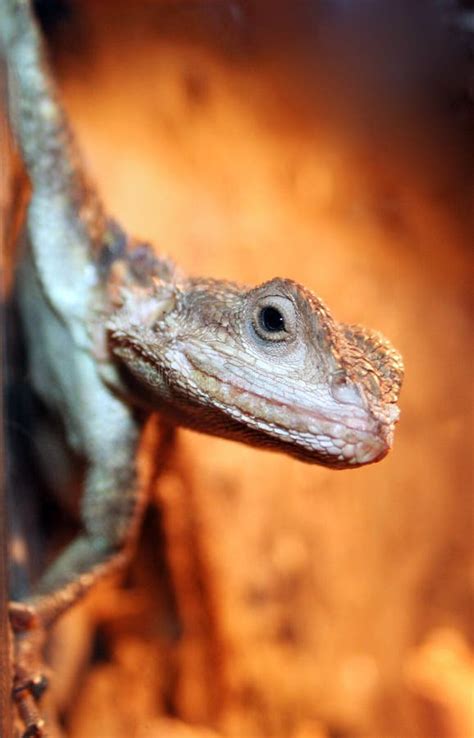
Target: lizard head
[(269, 366)]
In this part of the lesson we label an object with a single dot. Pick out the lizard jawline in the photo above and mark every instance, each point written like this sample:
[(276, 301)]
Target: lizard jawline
[(356, 447)]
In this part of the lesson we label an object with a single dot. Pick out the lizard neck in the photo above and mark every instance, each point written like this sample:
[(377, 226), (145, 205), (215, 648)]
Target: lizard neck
[(125, 262)]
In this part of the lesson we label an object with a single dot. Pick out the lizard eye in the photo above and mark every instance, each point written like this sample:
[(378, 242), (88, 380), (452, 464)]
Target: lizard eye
[(274, 318), (271, 320)]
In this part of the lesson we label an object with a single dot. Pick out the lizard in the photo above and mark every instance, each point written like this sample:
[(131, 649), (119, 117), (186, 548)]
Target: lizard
[(116, 332)]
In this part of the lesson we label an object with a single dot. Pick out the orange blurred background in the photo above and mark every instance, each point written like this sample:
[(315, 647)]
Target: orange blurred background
[(332, 144)]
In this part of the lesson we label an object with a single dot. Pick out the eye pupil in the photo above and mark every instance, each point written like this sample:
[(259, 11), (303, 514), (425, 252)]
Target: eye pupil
[(272, 320)]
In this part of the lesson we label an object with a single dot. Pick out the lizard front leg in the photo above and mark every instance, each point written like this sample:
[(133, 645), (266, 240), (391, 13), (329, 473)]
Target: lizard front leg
[(111, 510), (111, 505)]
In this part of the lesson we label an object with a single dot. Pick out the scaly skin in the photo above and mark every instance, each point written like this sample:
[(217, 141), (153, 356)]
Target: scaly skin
[(114, 333), (316, 389)]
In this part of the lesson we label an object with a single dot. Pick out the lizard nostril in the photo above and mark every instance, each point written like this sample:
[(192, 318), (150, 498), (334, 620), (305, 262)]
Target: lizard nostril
[(339, 377), (345, 391)]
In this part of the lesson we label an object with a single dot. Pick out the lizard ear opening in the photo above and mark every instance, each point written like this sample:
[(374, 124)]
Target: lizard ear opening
[(372, 347)]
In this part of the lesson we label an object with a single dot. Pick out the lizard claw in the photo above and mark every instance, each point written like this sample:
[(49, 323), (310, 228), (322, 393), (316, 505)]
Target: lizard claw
[(35, 731), (35, 684)]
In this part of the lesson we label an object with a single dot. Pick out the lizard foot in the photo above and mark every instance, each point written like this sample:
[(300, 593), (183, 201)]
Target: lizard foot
[(26, 692), (30, 680)]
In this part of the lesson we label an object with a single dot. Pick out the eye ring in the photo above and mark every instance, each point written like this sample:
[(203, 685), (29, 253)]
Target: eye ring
[(274, 318)]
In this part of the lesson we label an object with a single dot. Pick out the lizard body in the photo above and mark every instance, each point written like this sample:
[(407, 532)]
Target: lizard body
[(115, 332)]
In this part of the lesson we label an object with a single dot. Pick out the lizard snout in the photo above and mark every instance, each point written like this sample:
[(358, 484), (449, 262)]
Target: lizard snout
[(376, 445)]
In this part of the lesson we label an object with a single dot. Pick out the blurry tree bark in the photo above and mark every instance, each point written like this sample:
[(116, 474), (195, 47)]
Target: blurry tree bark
[(5, 665)]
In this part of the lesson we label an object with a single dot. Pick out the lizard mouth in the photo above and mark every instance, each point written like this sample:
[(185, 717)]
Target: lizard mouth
[(324, 430), (339, 436)]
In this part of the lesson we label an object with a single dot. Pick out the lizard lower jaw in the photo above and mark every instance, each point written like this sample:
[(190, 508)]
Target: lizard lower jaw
[(324, 431), (342, 447)]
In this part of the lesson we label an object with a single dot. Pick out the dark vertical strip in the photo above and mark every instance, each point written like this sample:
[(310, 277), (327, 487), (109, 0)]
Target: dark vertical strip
[(5, 660)]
